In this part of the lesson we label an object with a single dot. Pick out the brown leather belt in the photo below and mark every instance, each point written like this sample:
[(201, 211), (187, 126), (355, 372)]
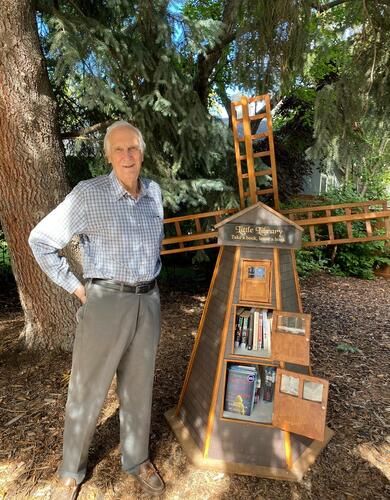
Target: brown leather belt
[(125, 287)]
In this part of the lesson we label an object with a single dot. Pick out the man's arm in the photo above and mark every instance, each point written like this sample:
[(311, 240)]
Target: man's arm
[(53, 233)]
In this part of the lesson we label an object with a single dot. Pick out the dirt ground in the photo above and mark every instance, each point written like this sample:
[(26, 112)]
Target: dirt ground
[(350, 348)]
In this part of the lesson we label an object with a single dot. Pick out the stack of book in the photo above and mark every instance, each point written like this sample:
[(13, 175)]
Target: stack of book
[(253, 330), (248, 385)]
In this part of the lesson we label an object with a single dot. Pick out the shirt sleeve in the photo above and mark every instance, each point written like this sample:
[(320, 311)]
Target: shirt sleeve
[(54, 232)]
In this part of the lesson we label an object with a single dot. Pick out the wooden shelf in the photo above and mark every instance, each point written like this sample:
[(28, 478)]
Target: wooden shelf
[(258, 353)]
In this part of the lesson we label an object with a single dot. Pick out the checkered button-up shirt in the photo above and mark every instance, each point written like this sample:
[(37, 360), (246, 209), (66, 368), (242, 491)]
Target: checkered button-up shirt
[(120, 236)]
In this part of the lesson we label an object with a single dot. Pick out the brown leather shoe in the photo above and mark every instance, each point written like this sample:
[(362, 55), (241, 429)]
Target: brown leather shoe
[(65, 489), (149, 479)]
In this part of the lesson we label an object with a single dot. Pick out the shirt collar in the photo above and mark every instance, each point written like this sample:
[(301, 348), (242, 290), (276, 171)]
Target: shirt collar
[(119, 191)]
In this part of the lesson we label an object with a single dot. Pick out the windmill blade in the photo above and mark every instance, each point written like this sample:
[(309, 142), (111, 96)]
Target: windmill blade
[(254, 140)]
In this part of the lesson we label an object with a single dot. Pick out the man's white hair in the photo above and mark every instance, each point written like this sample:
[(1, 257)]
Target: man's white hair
[(122, 123)]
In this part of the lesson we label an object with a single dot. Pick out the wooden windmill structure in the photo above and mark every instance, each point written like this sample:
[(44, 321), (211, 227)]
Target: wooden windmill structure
[(252, 406)]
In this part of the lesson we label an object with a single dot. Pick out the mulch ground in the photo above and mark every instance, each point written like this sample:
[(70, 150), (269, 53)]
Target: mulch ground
[(350, 348)]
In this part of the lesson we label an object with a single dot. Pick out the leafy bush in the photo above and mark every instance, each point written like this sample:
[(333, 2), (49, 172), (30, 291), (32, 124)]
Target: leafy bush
[(310, 260), (5, 261), (353, 259)]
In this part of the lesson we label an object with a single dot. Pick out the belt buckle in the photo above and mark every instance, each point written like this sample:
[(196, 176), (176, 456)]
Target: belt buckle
[(142, 288)]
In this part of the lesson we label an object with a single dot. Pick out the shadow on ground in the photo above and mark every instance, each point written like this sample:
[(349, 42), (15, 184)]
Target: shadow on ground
[(353, 466)]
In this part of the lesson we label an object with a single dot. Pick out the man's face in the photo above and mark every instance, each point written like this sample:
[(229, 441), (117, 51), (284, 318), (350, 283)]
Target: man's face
[(125, 155)]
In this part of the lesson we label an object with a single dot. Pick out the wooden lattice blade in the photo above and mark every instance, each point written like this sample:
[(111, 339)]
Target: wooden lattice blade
[(324, 225)]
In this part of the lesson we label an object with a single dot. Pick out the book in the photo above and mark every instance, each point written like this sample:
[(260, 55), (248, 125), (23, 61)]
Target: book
[(244, 334), (255, 342), (269, 383), (258, 385), (266, 331), (250, 329), (260, 332), (238, 330), (240, 389)]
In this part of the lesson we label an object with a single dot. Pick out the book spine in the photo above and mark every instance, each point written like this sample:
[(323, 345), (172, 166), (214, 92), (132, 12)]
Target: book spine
[(238, 332), (260, 332), (269, 384), (250, 333), (244, 334), (255, 330)]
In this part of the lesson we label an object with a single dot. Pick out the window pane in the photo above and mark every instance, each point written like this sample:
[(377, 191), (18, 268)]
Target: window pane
[(256, 272), (312, 391), (289, 385), (291, 324)]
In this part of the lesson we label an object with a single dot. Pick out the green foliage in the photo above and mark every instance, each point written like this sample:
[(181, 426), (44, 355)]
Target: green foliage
[(310, 261), (112, 61), (343, 347), (353, 259), (349, 66), (152, 62), (5, 261), (360, 259)]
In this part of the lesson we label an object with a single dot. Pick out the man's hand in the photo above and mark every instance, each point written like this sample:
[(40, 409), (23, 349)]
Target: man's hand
[(80, 294)]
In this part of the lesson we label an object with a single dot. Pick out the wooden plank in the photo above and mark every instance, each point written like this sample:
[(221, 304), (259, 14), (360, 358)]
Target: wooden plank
[(202, 215), (189, 249), (343, 218), (190, 237), (261, 192), (199, 229), (254, 137), (199, 332), (330, 226), (179, 233), (288, 450), (296, 280), (210, 423), (272, 151), (311, 228), (259, 173), (343, 240), (261, 154), (260, 116), (321, 208), (278, 290), (349, 225), (368, 222), (258, 98), (238, 155), (249, 150)]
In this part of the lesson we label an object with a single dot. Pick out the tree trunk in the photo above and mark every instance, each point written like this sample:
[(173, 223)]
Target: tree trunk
[(32, 172), (207, 62)]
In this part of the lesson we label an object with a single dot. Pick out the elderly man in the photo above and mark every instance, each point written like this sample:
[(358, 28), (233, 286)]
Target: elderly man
[(119, 218)]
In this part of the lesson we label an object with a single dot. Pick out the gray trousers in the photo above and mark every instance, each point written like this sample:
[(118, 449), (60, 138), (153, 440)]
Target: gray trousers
[(118, 332)]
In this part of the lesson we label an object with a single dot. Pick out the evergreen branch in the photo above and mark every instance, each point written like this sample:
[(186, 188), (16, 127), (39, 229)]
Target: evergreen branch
[(322, 8), (83, 132), (208, 60)]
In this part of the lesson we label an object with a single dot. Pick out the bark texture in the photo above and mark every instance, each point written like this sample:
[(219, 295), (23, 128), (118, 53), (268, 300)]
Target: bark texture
[(32, 172)]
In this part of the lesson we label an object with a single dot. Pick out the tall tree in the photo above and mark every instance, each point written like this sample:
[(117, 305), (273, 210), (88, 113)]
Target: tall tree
[(32, 174)]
